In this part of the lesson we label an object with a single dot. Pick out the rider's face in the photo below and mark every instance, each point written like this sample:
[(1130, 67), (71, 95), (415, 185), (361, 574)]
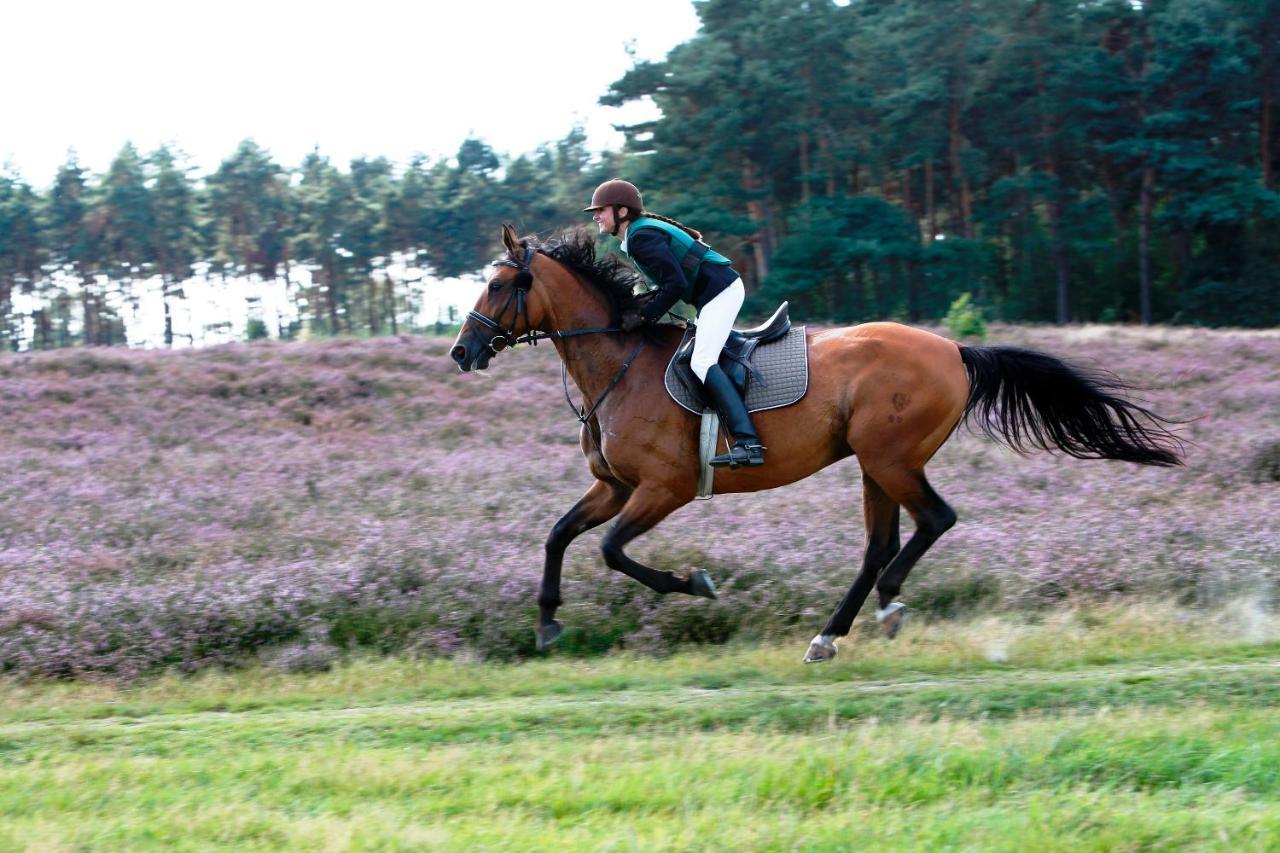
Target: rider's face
[(604, 219)]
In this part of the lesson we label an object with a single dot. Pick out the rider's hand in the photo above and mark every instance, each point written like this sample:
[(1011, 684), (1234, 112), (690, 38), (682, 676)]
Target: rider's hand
[(631, 320)]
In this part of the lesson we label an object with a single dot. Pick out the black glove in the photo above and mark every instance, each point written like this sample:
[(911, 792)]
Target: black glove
[(633, 316), (632, 320)]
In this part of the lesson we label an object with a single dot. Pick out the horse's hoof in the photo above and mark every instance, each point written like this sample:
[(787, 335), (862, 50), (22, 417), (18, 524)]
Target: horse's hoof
[(547, 634), (700, 584), (823, 648), (891, 618)]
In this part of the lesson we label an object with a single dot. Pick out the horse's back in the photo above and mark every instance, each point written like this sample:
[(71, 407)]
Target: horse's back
[(905, 389)]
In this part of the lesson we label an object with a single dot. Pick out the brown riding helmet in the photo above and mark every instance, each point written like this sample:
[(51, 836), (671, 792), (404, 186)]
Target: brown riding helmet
[(616, 192)]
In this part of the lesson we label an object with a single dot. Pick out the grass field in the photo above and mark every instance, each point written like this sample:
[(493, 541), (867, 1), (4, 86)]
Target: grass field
[(1133, 727)]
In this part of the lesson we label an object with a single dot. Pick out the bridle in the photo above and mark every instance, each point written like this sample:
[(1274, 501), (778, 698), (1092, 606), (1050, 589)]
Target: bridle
[(504, 337)]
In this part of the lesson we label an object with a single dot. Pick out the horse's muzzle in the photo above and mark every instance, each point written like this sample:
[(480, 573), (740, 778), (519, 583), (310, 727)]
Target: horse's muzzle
[(471, 357)]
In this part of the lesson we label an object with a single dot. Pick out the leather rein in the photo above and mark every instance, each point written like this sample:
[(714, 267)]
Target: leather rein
[(504, 337)]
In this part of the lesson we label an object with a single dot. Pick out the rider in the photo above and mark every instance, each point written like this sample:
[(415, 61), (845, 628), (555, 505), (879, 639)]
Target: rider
[(673, 257)]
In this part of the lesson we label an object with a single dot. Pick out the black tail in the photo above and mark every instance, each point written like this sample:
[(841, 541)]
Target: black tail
[(1031, 400)]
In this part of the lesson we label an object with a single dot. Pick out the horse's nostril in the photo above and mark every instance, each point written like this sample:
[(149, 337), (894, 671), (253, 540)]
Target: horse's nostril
[(458, 353)]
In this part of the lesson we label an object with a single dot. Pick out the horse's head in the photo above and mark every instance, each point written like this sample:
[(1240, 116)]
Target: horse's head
[(508, 308)]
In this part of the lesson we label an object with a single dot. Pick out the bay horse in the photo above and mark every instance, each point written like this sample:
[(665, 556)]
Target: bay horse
[(888, 393)]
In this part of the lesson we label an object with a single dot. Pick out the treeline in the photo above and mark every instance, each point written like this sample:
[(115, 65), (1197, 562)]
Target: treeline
[(1057, 160), (79, 250), (1060, 160)]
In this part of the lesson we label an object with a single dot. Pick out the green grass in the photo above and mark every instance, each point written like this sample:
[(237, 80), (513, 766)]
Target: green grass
[(1124, 729)]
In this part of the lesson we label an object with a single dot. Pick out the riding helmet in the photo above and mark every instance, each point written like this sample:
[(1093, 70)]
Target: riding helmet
[(616, 192)]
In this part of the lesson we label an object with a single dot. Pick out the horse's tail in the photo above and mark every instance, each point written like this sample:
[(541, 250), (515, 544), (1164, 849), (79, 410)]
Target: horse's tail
[(1029, 400)]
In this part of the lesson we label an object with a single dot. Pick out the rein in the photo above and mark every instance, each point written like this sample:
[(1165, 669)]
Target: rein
[(504, 337)]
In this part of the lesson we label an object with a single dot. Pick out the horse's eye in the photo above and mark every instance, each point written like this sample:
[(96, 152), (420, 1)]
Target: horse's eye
[(495, 286)]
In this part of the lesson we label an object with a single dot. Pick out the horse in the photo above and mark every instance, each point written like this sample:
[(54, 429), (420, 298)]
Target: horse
[(889, 394)]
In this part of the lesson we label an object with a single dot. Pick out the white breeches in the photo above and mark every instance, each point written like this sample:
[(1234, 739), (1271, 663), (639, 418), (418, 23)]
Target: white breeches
[(715, 322)]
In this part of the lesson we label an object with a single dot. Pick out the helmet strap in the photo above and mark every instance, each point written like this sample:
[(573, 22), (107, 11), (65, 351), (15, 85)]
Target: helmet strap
[(632, 215)]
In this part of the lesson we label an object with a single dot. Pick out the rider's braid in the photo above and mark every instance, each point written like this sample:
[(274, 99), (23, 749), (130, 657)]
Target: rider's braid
[(697, 235)]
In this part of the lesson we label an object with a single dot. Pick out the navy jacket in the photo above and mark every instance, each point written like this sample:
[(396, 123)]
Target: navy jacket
[(651, 251)]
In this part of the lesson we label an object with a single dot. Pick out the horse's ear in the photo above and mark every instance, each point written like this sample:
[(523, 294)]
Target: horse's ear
[(511, 240)]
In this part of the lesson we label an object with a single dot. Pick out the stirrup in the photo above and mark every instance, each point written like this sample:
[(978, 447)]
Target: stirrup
[(739, 455)]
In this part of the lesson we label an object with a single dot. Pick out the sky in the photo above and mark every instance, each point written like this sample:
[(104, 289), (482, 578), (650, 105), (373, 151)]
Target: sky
[(375, 77)]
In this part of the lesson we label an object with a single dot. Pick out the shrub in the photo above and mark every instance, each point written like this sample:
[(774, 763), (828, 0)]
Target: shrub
[(256, 330), (964, 319), (1265, 466)]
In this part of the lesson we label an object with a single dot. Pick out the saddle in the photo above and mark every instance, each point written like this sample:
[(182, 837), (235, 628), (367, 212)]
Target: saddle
[(769, 382)]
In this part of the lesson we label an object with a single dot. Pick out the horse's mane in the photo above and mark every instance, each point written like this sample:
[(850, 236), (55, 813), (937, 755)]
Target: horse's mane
[(576, 249)]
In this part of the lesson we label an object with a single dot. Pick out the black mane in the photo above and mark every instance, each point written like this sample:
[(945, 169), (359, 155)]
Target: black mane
[(576, 249)]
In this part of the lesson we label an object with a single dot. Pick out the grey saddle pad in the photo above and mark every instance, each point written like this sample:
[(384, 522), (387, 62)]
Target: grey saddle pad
[(784, 363)]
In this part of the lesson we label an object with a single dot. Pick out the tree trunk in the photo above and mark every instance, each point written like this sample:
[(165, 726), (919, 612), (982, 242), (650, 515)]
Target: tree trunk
[(1145, 204), (1049, 164), (930, 208), (824, 154), (964, 198), (908, 200), (1268, 40), (87, 304), (168, 315), (6, 312), (915, 272), (390, 305), (289, 297), (1061, 262), (45, 327), (331, 289), (858, 308), (1264, 135), (804, 169), (913, 292), (760, 248)]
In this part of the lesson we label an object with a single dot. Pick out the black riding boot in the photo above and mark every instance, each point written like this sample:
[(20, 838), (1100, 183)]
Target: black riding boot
[(746, 449)]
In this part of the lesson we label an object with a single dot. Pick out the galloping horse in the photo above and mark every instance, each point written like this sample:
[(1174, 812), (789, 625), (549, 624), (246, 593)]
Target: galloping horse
[(888, 393)]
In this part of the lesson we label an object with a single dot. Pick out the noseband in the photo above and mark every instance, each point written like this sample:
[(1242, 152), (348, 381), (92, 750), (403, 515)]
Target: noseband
[(504, 337)]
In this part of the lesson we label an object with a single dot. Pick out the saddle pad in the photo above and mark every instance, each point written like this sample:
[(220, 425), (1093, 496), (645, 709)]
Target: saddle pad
[(784, 363)]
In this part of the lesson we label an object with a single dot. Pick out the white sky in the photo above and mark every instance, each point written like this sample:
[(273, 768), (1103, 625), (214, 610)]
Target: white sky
[(377, 77)]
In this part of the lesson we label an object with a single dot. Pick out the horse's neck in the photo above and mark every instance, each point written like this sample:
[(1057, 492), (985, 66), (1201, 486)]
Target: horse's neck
[(592, 361)]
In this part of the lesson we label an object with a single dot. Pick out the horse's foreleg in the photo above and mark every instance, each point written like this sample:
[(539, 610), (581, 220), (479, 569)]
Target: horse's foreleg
[(881, 516), (932, 516), (643, 510), (601, 503)]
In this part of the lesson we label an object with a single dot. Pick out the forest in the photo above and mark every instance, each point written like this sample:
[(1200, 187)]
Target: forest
[(1056, 162)]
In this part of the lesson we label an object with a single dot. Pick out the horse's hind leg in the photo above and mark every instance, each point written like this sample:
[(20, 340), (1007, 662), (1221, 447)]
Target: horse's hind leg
[(881, 515), (933, 517), (643, 510), (601, 503)]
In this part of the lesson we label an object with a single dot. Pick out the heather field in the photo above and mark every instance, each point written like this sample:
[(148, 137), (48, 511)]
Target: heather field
[(294, 503)]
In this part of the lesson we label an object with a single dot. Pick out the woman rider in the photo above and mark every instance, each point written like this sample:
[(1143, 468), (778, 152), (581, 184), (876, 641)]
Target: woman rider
[(674, 258)]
